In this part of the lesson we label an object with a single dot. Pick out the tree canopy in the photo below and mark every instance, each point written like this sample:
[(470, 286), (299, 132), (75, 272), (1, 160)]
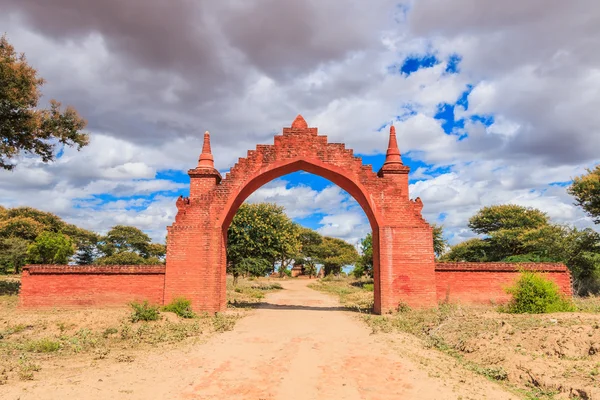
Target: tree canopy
[(336, 253), (261, 232), (586, 190), (24, 127)]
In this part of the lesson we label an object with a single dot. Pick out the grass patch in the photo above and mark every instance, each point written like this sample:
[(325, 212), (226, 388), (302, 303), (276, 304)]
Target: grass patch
[(44, 345), (351, 292), (249, 291)]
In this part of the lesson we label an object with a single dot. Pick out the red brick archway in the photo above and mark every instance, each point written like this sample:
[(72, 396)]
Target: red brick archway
[(404, 265)]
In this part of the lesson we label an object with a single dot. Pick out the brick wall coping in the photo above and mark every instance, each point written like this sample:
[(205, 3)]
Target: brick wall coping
[(95, 269), (499, 267)]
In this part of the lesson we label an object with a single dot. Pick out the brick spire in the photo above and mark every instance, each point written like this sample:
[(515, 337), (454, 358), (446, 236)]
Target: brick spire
[(393, 161), (392, 156), (206, 163), (206, 158)]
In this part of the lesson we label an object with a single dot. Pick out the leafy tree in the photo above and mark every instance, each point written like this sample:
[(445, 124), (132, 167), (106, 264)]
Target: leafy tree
[(25, 228), (50, 248), (506, 216), (23, 126), (13, 254), (157, 250), (128, 239), (261, 231), (336, 253), (310, 241), (364, 265), (471, 250), (586, 190), (439, 243)]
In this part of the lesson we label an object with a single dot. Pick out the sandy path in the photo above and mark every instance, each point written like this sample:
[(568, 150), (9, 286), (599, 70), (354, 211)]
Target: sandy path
[(299, 345)]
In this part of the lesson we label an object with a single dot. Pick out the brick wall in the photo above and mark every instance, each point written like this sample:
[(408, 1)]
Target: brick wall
[(485, 282), (92, 285)]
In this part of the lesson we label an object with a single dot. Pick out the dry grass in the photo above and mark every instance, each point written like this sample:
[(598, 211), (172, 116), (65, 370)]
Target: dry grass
[(29, 339), (353, 294), (248, 292), (538, 356)]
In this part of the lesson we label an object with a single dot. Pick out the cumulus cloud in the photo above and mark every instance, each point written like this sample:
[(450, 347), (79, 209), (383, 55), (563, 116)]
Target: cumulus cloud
[(150, 77)]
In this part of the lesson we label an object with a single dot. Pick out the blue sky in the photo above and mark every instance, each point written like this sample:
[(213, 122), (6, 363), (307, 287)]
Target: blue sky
[(490, 107)]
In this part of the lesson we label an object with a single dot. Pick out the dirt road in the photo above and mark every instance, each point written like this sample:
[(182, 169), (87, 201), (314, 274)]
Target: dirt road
[(298, 345)]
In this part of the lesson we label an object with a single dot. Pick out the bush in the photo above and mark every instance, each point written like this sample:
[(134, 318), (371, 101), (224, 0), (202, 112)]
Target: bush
[(144, 312), (369, 287), (534, 294), (43, 346), (182, 307)]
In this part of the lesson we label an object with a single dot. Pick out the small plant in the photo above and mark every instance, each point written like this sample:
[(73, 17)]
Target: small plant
[(144, 312), (368, 287), (223, 323), (182, 307), (42, 346), (27, 368), (109, 331), (534, 294)]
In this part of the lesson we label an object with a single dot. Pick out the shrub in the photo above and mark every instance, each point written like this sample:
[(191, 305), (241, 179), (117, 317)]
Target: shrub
[(42, 346), (369, 287), (534, 294), (182, 307), (144, 312)]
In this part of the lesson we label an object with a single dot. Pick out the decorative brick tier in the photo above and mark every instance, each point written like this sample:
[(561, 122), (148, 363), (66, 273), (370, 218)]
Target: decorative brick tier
[(90, 285), (485, 282)]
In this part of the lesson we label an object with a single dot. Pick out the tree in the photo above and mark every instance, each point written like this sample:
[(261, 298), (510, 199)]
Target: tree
[(506, 216), (50, 248), (336, 253), (261, 231), (310, 241), (364, 265), (586, 190), (13, 254), (25, 228), (439, 243), (23, 126), (122, 238), (471, 250)]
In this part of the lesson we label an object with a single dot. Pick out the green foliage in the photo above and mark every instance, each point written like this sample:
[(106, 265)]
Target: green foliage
[(506, 216), (261, 232), (126, 239), (13, 254), (534, 294), (586, 190), (144, 311), (126, 258), (364, 265), (181, 306), (50, 248), (471, 250), (439, 243), (42, 346), (310, 242), (335, 253), (23, 126)]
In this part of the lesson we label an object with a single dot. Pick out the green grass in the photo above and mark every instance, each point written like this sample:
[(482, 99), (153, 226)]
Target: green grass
[(353, 294), (44, 345), (180, 306)]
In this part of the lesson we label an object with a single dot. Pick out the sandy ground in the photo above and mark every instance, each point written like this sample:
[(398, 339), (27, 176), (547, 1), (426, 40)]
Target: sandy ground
[(298, 345)]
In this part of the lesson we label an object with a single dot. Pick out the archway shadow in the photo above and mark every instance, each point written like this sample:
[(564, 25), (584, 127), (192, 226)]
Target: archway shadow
[(270, 306)]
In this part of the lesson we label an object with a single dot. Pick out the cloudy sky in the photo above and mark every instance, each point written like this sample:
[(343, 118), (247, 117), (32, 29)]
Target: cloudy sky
[(493, 102)]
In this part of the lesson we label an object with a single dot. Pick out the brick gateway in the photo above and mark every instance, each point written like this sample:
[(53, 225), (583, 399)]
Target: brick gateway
[(404, 265)]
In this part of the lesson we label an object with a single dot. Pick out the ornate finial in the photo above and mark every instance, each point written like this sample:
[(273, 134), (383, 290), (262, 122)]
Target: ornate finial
[(393, 161), (299, 123), (392, 156), (206, 158)]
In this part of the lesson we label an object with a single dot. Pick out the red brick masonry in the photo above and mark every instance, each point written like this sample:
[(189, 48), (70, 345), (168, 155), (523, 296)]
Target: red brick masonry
[(485, 282), (67, 286), (93, 285)]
